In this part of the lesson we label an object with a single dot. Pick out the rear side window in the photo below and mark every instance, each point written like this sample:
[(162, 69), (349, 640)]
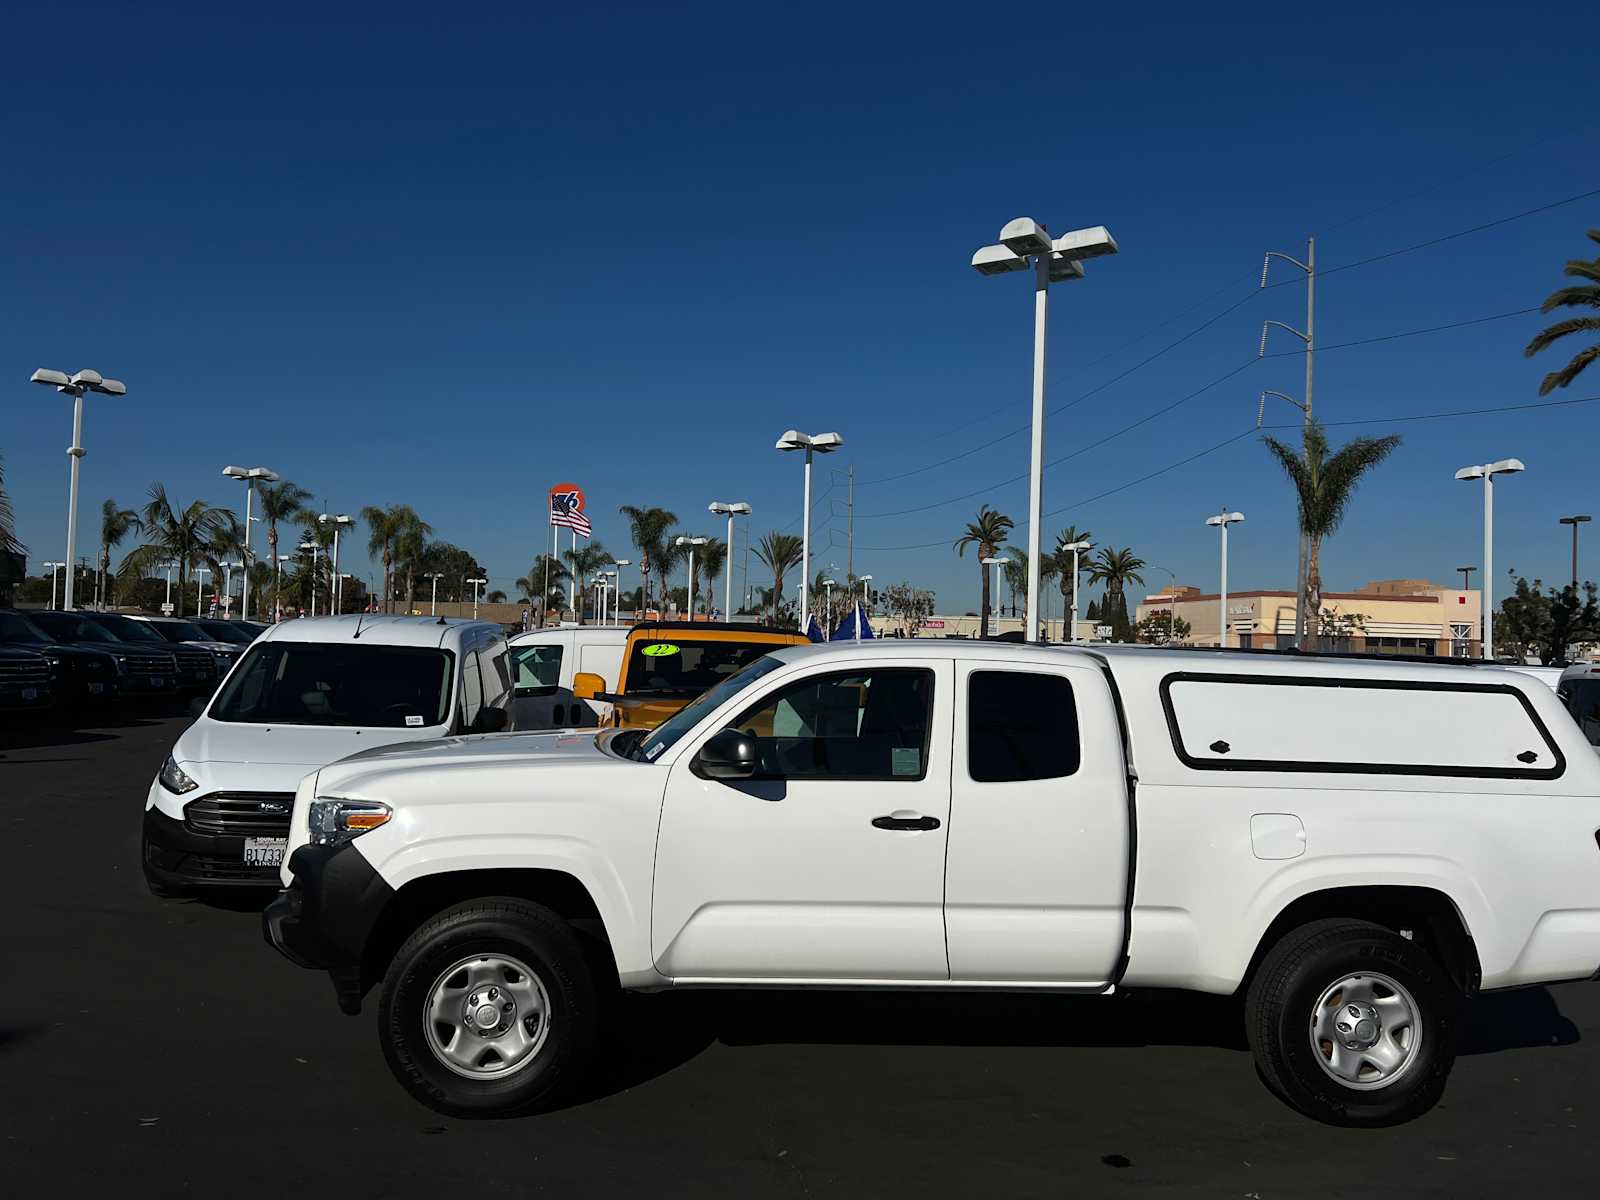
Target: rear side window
[(538, 665), (1357, 726), (1020, 725)]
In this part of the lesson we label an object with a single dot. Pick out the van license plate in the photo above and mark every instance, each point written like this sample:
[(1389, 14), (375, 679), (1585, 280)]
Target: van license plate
[(264, 852)]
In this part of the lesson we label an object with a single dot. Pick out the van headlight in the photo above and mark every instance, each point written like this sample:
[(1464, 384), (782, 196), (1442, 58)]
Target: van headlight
[(335, 822), (173, 778)]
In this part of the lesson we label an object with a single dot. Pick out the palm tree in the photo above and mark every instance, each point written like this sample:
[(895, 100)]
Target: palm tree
[(987, 533), (225, 544), (1584, 295), (282, 501), (1324, 484), (115, 525), (780, 552), (1067, 537), (1116, 569), (8, 535), (546, 568), (1016, 576), (709, 561), (581, 563), (648, 528), (386, 526), (411, 551), (173, 535)]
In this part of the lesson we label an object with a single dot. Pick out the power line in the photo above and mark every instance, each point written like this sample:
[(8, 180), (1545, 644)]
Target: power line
[(1389, 337)]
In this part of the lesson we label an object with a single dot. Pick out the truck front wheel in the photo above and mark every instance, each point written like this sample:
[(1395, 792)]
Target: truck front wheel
[(489, 1009), (1353, 1024)]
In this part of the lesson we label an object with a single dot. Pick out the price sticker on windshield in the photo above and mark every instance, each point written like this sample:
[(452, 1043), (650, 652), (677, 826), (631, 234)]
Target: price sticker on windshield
[(659, 650)]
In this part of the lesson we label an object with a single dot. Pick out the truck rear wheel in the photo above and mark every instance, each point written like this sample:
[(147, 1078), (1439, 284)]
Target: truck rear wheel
[(489, 1009), (1353, 1024)]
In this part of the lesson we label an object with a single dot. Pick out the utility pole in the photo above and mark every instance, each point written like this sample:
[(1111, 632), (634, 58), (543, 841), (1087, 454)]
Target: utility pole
[(850, 527), (1309, 337)]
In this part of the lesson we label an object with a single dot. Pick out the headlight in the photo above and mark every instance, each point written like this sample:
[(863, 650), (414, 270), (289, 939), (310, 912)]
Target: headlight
[(173, 779), (335, 822), (121, 661)]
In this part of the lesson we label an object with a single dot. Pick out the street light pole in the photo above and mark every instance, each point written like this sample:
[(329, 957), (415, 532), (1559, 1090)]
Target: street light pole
[(818, 443), (692, 542), (1575, 522), (865, 604), (1222, 520), (827, 618), (1487, 472), (475, 583), (75, 385), (718, 506), (433, 598), (227, 585), (996, 563), (335, 588), (198, 571), (54, 567), (249, 475), (168, 605), (1076, 548), (1054, 261)]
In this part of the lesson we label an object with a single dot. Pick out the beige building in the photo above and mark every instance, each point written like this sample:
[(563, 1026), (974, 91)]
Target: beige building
[(1395, 616)]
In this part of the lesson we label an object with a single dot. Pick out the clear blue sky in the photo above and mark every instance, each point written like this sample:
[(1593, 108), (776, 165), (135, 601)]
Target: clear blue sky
[(434, 255)]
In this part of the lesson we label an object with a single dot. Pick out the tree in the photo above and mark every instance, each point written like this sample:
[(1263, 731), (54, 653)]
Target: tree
[(546, 567), (780, 552), (1545, 621), (1016, 577), (1116, 569), (1159, 629), (173, 534), (582, 563), (1580, 296), (280, 502), (410, 548), (909, 606), (1336, 628), (495, 597), (225, 544), (386, 526), (709, 561), (1067, 537), (648, 529), (115, 525), (1324, 484), (987, 533), (8, 536)]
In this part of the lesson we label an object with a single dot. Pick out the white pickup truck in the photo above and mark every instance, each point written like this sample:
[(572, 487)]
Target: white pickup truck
[(1352, 846)]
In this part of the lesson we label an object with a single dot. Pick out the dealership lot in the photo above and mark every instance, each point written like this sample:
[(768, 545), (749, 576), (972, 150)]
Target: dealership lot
[(163, 1042)]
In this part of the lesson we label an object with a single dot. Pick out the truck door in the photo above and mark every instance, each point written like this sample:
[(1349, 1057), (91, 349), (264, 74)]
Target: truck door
[(829, 866), (1037, 877)]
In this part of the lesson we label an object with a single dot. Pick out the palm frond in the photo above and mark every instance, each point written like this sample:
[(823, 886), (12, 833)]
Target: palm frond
[(1560, 330), (1569, 372)]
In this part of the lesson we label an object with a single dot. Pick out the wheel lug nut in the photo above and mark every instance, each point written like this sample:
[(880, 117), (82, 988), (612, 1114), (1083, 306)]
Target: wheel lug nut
[(494, 993), (472, 999), (506, 1007)]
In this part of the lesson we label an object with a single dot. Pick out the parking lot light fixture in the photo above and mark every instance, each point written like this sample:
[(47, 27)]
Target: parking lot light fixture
[(340, 522), (996, 563), (54, 567), (1077, 548), (1054, 260), (433, 598), (199, 571), (827, 619), (1487, 472), (312, 546), (865, 603), (75, 385), (619, 563), (1575, 521), (228, 568), (475, 581), (811, 443), (731, 510), (690, 542), (1221, 521), (249, 477)]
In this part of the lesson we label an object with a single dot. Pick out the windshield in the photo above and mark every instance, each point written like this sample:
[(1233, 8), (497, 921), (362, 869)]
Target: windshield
[(225, 631), (338, 683), (1582, 698), (65, 627), (181, 631), (19, 629), (669, 731), (679, 666), (127, 630)]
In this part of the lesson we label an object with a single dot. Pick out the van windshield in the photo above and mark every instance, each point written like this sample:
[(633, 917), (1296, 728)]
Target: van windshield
[(338, 683)]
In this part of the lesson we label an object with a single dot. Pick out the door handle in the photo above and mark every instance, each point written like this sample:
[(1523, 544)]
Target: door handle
[(912, 821)]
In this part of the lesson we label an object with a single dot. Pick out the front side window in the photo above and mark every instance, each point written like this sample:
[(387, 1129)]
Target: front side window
[(666, 734), (869, 724), (538, 665), (20, 630), (1020, 725), (339, 684)]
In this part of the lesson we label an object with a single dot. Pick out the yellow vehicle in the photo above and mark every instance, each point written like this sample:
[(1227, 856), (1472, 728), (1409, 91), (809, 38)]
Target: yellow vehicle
[(666, 664)]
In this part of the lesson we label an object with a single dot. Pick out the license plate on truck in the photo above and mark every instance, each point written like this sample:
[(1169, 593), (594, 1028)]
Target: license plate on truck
[(30, 693), (264, 852)]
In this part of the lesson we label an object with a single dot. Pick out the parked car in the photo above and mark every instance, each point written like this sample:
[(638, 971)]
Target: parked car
[(1352, 845), (235, 633), (197, 667), (187, 636), (308, 692), (548, 660), (666, 664), (86, 678), (145, 669), (27, 681)]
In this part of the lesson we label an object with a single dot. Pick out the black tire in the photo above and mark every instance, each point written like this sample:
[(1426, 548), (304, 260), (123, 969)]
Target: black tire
[(1283, 999), (501, 925)]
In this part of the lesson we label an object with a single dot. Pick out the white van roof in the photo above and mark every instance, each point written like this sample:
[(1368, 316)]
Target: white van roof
[(384, 630)]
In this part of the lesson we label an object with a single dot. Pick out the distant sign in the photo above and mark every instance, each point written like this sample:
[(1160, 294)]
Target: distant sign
[(166, 609), (933, 624), (1103, 631)]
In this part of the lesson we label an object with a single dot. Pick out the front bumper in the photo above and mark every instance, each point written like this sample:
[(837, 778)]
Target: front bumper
[(15, 697), (326, 917), (180, 857), (141, 684)]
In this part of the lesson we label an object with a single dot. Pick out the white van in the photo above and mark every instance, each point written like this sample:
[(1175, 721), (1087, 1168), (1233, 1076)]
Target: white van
[(547, 660), (308, 692)]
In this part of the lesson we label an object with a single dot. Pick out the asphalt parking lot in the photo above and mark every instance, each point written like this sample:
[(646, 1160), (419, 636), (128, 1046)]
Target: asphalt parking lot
[(160, 1045)]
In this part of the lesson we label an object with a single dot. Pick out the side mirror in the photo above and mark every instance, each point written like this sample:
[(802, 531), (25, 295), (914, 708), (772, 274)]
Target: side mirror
[(586, 686), (730, 754), (197, 706), (490, 720)]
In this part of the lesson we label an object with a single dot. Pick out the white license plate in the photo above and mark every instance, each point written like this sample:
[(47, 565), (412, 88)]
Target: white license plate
[(264, 852), (30, 693), (96, 688), (156, 681)]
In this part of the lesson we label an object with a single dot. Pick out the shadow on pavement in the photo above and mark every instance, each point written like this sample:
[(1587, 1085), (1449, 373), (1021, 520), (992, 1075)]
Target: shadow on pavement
[(1513, 1020)]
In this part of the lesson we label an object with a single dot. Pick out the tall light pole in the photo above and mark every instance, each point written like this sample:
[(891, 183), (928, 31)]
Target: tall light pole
[(996, 563), (692, 542), (1222, 520), (433, 597), (1302, 619), (312, 546), (811, 443), (1487, 472), (198, 571), (619, 563), (228, 568), (865, 603), (54, 567), (167, 607), (1077, 548), (1575, 522), (607, 589), (75, 385), (1055, 260), (718, 506), (249, 476), (340, 521), (475, 582), (827, 619)]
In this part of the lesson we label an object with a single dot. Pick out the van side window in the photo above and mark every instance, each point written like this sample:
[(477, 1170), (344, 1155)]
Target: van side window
[(1020, 725), (538, 665), (502, 676)]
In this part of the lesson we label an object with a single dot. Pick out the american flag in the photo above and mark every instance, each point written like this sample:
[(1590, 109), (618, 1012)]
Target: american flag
[(564, 511)]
